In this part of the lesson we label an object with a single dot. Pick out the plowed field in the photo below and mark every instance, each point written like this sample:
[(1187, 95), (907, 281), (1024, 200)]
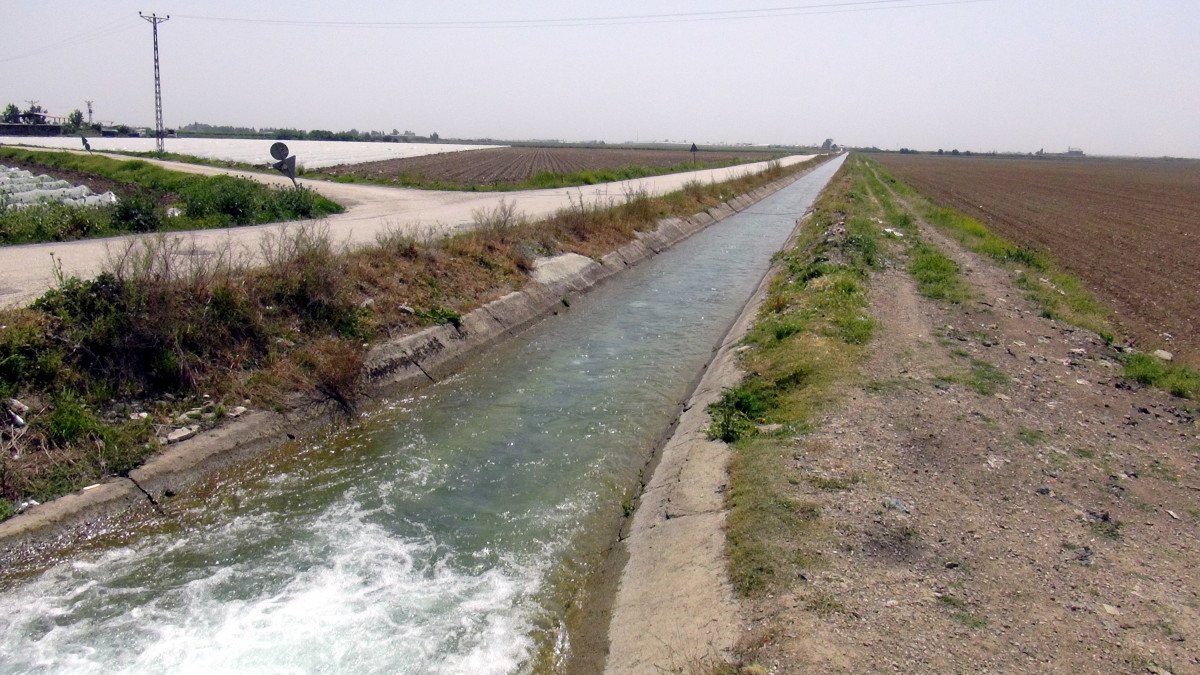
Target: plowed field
[(516, 164), (1129, 228)]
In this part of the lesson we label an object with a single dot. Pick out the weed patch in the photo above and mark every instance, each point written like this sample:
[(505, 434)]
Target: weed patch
[(1178, 379), (937, 276), (808, 337)]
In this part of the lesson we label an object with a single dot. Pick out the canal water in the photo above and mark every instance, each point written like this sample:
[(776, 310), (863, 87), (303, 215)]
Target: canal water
[(432, 535)]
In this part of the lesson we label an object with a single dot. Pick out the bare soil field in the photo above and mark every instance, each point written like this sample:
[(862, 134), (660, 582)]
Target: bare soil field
[(1040, 519), (515, 165), (1129, 227)]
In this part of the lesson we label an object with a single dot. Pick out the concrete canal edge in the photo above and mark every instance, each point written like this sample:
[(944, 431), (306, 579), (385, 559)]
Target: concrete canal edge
[(674, 608), (400, 364)]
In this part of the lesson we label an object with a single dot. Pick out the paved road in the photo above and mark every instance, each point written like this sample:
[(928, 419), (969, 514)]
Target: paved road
[(27, 271)]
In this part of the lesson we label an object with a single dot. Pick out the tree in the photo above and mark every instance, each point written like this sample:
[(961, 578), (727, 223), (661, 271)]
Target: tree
[(75, 120), (34, 115), (433, 136), (12, 114)]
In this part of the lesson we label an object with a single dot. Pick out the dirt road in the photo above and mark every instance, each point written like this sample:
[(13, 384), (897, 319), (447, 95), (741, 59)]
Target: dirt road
[(1038, 513), (27, 271)]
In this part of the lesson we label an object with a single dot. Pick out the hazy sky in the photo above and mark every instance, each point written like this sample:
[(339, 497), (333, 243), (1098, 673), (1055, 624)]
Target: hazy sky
[(1110, 76)]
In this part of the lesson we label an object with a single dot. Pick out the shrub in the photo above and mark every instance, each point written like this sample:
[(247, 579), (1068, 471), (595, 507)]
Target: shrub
[(137, 212), (233, 200)]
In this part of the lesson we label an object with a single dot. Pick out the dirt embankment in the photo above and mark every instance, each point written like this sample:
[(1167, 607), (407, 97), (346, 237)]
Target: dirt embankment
[(404, 362), (1129, 227), (1014, 504)]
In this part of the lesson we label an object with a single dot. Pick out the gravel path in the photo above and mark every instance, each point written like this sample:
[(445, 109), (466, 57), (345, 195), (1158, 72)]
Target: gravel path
[(27, 271)]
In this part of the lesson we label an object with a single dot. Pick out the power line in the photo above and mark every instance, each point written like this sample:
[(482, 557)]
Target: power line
[(676, 17), (78, 39)]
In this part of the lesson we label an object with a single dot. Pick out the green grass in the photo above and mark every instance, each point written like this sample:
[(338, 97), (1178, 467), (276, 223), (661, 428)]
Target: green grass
[(808, 338), (1179, 379), (937, 276), (205, 201), (1031, 437)]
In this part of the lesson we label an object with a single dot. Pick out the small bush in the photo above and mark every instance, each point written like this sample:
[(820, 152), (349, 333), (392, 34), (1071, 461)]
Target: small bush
[(233, 200), (441, 315), (70, 421), (137, 212), (338, 368)]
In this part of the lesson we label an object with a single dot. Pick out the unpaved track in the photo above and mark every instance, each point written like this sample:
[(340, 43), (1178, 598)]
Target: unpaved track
[(1005, 563), (27, 271), (1130, 228)]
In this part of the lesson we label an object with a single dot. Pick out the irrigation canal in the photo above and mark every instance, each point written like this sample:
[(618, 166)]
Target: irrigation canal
[(439, 534)]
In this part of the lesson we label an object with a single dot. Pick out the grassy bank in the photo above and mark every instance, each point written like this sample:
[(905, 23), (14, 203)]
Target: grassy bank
[(108, 365), (1059, 294), (807, 341), (146, 193)]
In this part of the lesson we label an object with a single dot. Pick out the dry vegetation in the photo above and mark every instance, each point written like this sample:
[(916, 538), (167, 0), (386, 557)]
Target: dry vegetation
[(166, 329)]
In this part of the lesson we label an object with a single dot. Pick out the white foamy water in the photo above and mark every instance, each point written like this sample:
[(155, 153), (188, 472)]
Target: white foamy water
[(347, 595), (311, 154)]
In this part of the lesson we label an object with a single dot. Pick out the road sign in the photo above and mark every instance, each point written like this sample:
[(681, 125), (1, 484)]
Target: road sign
[(286, 165)]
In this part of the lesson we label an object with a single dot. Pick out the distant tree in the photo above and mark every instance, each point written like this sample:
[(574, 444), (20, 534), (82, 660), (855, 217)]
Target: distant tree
[(954, 151), (12, 114), (433, 137), (35, 114), (320, 135), (941, 152), (967, 153), (74, 120), (395, 132)]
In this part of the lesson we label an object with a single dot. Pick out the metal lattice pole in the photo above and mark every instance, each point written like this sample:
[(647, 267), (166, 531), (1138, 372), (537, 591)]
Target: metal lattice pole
[(159, 134)]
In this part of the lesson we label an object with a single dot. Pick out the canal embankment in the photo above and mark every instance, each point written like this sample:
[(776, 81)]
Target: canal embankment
[(448, 529), (389, 366)]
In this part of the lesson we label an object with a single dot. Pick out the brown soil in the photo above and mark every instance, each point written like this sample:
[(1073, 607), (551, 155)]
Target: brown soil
[(1051, 526), (1130, 228), (492, 166)]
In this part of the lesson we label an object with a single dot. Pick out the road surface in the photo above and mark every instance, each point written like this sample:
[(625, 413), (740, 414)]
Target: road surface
[(26, 271)]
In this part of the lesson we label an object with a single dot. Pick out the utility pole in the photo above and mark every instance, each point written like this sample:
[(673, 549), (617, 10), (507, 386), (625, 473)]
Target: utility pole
[(89, 105), (154, 20)]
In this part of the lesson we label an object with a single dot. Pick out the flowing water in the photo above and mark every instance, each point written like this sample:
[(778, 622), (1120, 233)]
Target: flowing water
[(429, 536)]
